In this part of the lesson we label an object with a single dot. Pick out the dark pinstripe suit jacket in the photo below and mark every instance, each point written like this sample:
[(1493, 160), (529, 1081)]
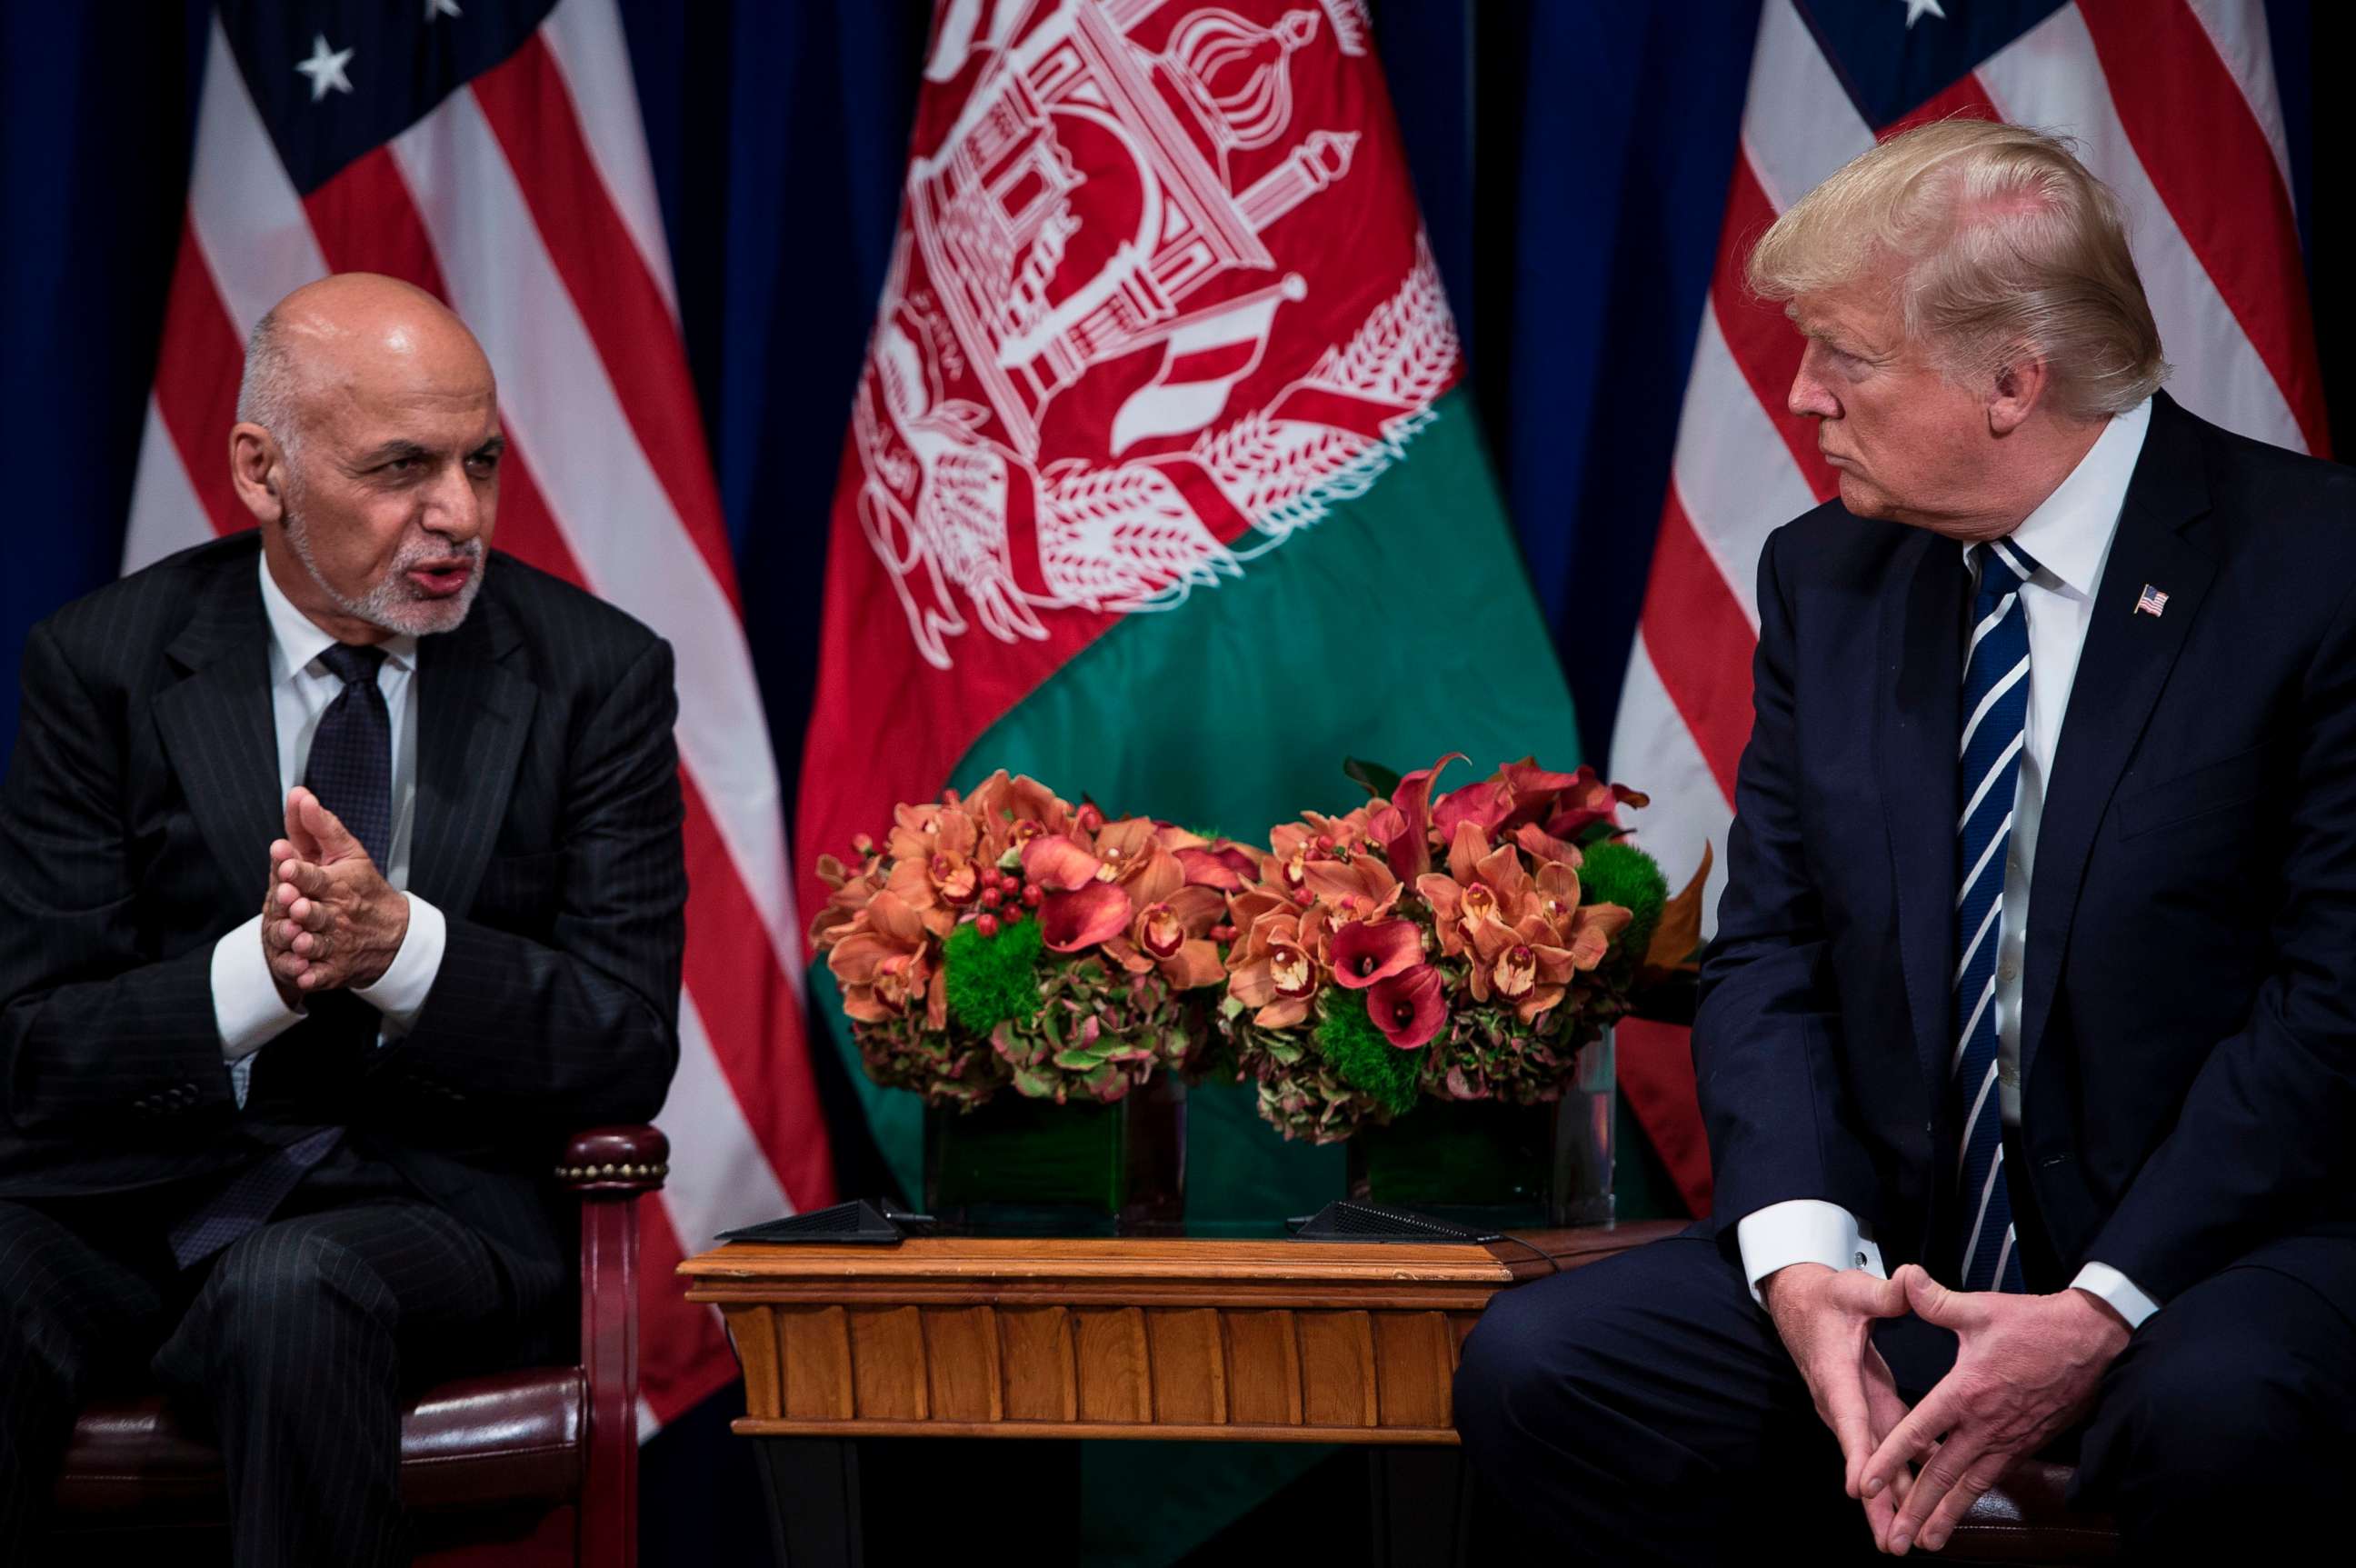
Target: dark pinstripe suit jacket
[(134, 829)]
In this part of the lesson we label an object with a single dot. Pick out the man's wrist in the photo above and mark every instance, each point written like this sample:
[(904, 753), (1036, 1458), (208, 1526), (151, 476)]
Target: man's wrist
[(2112, 1319), (1800, 1272), (389, 949)]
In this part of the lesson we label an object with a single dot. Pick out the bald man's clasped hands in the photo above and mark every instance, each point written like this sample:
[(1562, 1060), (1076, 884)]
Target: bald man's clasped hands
[(331, 919)]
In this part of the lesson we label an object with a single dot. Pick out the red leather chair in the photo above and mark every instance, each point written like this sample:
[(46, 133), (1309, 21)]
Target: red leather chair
[(2023, 1520), (519, 1469)]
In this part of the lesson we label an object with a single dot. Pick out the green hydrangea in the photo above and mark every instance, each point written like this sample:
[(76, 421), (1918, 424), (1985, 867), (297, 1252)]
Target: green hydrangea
[(1096, 1032)]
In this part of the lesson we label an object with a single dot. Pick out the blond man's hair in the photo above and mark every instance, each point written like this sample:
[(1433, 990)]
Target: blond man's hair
[(1998, 248)]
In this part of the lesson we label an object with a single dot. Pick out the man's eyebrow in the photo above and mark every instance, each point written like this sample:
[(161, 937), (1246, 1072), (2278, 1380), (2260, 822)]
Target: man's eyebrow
[(492, 447), (391, 451)]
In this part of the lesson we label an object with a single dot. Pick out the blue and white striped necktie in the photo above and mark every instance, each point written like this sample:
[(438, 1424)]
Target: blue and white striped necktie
[(1995, 708)]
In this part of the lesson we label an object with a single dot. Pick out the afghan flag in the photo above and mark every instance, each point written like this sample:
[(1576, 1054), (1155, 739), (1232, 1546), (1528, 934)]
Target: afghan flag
[(1160, 485)]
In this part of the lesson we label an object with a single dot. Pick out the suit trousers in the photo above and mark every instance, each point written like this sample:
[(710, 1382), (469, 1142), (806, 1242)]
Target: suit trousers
[(1643, 1410), (292, 1348)]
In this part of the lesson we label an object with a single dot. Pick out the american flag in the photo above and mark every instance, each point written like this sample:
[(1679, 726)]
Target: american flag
[(2151, 602), (491, 152), (2172, 102)]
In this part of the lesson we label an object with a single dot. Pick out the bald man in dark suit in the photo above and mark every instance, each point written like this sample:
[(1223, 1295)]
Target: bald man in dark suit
[(340, 875)]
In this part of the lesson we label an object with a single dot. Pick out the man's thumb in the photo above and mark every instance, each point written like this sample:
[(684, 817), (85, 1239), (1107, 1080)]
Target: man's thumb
[(307, 844), (335, 840), (1931, 1302)]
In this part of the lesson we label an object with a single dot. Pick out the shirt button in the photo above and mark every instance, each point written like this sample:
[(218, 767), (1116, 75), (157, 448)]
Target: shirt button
[(2008, 971), (2012, 865)]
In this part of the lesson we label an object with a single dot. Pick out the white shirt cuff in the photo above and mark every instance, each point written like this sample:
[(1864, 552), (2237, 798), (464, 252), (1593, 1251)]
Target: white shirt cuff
[(247, 1007), (1803, 1230), (400, 992), (2106, 1284)]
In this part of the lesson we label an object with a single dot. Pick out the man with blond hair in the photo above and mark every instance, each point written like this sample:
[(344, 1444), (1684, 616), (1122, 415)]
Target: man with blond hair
[(2028, 1041)]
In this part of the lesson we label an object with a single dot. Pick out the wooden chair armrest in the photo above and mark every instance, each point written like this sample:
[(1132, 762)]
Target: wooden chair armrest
[(614, 1162)]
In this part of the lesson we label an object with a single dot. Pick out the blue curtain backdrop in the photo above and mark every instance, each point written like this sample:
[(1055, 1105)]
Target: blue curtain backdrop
[(1571, 156)]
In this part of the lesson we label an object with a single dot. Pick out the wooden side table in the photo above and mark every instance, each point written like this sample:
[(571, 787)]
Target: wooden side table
[(1231, 1341)]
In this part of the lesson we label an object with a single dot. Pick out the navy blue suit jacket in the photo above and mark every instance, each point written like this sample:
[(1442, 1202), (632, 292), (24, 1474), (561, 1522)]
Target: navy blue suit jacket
[(2187, 1032)]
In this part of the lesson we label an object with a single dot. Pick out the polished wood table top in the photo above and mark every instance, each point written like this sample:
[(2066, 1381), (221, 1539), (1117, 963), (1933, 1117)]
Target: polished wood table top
[(1232, 1341)]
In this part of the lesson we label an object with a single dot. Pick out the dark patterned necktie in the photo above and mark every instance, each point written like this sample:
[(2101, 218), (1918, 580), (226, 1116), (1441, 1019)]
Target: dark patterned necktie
[(350, 769), (351, 753), (1995, 712)]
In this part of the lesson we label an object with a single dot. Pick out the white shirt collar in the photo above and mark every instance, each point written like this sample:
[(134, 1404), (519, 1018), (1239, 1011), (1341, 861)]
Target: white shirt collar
[(295, 640), (2068, 535)]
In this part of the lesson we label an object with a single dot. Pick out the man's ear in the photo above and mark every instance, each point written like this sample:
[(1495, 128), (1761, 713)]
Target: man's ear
[(257, 468), (2016, 391)]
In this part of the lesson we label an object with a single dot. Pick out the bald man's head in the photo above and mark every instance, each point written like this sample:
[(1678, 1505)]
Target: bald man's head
[(337, 327), (367, 446)]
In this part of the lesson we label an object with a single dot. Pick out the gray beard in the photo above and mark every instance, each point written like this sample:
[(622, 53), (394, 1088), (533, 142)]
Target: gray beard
[(392, 604)]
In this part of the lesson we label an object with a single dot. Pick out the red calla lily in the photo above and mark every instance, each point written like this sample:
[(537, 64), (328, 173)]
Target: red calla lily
[(1366, 951), (1403, 828), (1070, 921), (1407, 1007), (1058, 865)]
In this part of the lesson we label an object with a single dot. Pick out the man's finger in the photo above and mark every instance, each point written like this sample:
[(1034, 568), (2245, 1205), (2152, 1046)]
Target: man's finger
[(1913, 1437), (1938, 1478), (1934, 1302), (1880, 1513), (1984, 1472), (1858, 1291), (1840, 1397), (305, 877)]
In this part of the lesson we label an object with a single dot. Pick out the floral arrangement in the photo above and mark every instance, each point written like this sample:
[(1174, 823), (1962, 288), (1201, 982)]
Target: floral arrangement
[(1462, 946), (1007, 937)]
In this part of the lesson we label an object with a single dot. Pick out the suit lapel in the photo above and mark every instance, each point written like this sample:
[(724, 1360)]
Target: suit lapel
[(1917, 722), (472, 715), (217, 727), (2121, 670)]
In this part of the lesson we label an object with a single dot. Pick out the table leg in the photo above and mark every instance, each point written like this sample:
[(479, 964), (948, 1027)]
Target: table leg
[(813, 1500), (1420, 1513)]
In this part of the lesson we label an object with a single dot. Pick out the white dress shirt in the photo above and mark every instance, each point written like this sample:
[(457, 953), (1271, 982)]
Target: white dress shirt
[(2069, 536), (247, 1006)]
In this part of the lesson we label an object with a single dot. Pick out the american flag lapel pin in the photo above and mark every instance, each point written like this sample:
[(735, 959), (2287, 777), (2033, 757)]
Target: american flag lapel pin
[(2152, 602)]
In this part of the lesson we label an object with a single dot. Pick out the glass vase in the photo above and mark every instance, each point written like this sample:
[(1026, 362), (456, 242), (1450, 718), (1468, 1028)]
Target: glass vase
[(1017, 1167), (1491, 1165)]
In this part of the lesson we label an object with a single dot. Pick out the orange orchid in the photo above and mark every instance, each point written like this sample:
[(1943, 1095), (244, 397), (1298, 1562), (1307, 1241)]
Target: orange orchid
[(1131, 853), (851, 890), (1002, 803), (1293, 847), (1173, 936), (1482, 887), (883, 964), (1271, 971), (1358, 887), (1521, 964)]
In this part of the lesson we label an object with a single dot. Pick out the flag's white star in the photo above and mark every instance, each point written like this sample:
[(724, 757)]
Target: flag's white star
[(435, 8), (326, 67), (1914, 9)]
